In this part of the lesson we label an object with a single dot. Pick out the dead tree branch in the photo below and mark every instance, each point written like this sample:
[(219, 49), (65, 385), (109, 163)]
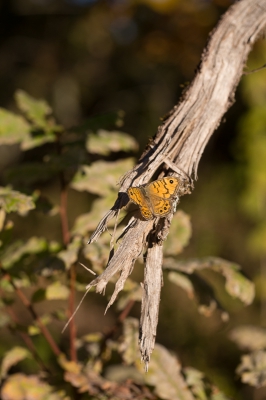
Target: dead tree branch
[(179, 144)]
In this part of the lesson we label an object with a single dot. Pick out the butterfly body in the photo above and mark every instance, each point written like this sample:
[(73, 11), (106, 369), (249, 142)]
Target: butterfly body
[(156, 198)]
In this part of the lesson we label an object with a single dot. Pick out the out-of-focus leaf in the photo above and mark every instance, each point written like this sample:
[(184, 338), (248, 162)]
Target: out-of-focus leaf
[(200, 387), (37, 140), (57, 291), (179, 234), (252, 368), (70, 255), (165, 375), (13, 128), (87, 222), (183, 281), (35, 110), (70, 366), (17, 250), (195, 382), (12, 357), (23, 387), (249, 337), (13, 201), (236, 284), (101, 176), (105, 142), (129, 344)]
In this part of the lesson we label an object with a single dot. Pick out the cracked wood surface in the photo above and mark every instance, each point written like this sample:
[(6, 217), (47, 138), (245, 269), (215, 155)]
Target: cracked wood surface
[(178, 145)]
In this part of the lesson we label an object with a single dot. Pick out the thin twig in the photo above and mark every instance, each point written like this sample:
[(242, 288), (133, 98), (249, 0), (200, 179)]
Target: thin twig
[(27, 340), (72, 272)]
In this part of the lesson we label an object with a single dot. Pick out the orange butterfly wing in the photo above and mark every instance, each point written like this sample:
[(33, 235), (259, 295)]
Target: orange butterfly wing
[(160, 193), (137, 195)]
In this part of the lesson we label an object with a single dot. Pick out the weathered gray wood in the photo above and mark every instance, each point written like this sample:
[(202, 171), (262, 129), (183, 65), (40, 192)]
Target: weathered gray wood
[(179, 144)]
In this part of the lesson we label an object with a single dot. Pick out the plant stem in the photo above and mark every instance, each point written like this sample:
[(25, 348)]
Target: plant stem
[(34, 314), (27, 340), (72, 272)]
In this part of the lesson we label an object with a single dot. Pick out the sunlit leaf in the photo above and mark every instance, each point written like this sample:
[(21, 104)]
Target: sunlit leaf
[(57, 291), (70, 366), (18, 249), (129, 345), (105, 142), (35, 110), (101, 176), (13, 128), (249, 337), (252, 368), (13, 201), (86, 223), (12, 357), (165, 375), (23, 387), (179, 234), (37, 140)]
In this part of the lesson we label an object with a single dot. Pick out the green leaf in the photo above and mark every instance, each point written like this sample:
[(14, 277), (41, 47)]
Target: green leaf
[(35, 110), (236, 284), (12, 357), (17, 250), (129, 344), (88, 222), (70, 255), (13, 128), (179, 235), (249, 337), (105, 142), (252, 368), (23, 387), (101, 176), (57, 291), (165, 375), (13, 201)]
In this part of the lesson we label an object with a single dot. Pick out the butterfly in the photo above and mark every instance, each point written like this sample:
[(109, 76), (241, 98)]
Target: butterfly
[(156, 198)]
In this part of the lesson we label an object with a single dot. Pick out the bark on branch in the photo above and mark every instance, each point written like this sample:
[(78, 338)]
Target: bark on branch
[(179, 144)]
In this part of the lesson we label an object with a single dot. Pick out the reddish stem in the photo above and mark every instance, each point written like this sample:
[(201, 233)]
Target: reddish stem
[(35, 316), (72, 272), (27, 340)]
